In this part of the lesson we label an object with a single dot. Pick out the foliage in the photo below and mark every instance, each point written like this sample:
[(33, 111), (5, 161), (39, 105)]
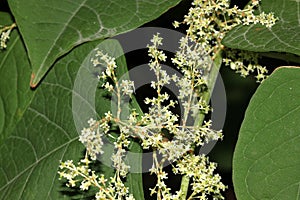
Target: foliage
[(62, 25), (266, 161), (45, 43), (283, 37)]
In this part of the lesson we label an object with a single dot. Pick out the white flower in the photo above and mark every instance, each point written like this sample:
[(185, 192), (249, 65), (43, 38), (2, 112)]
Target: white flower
[(91, 122), (127, 87), (85, 185), (92, 138), (3, 39)]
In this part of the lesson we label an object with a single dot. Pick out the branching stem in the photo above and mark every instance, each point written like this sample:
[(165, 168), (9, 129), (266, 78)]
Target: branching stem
[(212, 77)]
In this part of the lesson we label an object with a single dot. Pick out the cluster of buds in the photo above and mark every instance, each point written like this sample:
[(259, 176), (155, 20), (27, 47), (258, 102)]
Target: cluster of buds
[(4, 35)]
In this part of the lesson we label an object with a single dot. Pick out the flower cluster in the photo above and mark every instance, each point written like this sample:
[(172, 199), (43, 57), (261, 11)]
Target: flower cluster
[(83, 176), (204, 182), (209, 20), (186, 133), (92, 137), (245, 62), (159, 129), (172, 138), (4, 35)]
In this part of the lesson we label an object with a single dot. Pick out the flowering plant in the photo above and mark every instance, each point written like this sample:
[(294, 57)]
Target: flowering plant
[(75, 123), (172, 137)]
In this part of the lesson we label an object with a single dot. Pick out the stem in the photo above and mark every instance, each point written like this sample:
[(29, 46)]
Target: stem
[(118, 101), (5, 28), (184, 186), (212, 77)]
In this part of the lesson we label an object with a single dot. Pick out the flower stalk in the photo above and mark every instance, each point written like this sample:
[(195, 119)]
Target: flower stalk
[(184, 186)]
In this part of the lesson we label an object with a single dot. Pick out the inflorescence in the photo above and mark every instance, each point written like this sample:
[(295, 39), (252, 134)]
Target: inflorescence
[(4, 35), (208, 21)]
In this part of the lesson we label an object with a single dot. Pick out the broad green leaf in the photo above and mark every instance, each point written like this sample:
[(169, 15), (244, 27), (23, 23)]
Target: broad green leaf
[(15, 93), (266, 163), (48, 132), (284, 36), (50, 29)]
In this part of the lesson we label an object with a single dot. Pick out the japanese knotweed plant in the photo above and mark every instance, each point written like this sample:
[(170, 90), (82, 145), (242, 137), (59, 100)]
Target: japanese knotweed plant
[(172, 138)]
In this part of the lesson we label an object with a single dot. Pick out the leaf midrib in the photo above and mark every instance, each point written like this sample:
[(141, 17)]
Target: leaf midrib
[(38, 161), (58, 36)]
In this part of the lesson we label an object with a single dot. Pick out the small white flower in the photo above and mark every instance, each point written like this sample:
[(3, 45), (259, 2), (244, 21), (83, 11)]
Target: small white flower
[(127, 87), (91, 122)]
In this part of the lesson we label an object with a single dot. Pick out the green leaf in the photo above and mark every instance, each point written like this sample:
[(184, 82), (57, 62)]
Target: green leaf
[(15, 93), (282, 37), (266, 159), (48, 132), (50, 29)]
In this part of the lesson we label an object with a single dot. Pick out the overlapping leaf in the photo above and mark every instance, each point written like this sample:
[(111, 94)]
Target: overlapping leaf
[(48, 132), (15, 93), (284, 36), (52, 28), (266, 159)]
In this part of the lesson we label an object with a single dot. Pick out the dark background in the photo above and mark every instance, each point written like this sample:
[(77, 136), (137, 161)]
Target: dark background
[(3, 6)]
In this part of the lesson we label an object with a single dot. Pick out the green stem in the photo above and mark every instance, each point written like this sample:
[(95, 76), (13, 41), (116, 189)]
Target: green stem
[(5, 28), (185, 180), (212, 77)]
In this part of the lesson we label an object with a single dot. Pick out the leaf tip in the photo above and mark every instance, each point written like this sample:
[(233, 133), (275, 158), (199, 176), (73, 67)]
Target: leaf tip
[(33, 84)]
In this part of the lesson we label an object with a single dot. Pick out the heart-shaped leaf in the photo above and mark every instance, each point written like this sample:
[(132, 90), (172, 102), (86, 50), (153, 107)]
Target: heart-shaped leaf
[(266, 159), (48, 132), (15, 93), (52, 28), (284, 36)]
